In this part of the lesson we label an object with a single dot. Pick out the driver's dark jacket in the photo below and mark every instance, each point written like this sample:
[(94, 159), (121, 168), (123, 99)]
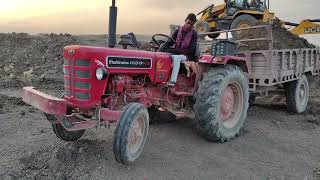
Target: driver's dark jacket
[(189, 52)]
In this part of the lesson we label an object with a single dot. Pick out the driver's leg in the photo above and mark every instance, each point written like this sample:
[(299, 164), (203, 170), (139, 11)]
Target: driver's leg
[(177, 59)]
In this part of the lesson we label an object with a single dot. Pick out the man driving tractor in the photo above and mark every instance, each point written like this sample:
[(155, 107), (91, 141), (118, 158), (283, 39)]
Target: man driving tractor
[(186, 43)]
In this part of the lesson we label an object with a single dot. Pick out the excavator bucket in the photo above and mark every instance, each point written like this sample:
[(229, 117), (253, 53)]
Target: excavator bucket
[(305, 27)]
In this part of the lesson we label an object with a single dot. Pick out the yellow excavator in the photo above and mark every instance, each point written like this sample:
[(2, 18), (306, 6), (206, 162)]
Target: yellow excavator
[(234, 14)]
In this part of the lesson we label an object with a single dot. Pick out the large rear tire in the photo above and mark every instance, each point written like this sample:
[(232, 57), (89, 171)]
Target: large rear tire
[(242, 21), (297, 94), (131, 133), (222, 103)]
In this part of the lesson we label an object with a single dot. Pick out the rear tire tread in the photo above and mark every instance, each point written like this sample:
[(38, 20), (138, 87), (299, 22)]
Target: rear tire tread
[(208, 101)]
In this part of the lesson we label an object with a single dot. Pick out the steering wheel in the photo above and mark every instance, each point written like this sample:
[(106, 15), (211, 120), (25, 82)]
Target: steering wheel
[(157, 42)]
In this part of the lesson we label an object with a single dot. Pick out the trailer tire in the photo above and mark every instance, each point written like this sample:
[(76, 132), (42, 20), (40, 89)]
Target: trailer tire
[(297, 94), (217, 120), (252, 99), (127, 142), (65, 135)]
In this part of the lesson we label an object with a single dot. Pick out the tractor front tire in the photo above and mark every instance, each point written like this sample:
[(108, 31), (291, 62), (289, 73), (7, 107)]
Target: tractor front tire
[(242, 21), (65, 135), (131, 133), (222, 103), (297, 94)]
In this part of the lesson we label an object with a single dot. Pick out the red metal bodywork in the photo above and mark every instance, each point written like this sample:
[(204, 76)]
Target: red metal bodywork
[(46, 103), (208, 59), (97, 56), (103, 100)]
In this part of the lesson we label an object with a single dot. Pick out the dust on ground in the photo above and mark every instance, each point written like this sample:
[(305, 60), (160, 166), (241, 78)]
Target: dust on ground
[(274, 144)]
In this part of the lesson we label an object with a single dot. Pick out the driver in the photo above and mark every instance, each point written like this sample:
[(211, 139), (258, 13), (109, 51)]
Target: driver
[(186, 43), (255, 3)]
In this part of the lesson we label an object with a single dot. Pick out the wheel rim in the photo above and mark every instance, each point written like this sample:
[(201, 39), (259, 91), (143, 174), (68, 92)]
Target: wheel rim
[(136, 135), (231, 105), (202, 29), (242, 24), (302, 94)]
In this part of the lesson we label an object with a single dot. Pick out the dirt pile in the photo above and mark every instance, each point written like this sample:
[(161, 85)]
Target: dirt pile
[(32, 60), (282, 38)]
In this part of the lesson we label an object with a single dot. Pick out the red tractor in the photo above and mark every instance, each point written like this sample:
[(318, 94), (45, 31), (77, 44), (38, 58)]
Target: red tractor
[(109, 86)]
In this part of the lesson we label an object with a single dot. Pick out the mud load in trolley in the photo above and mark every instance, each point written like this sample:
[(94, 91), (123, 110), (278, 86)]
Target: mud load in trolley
[(279, 60)]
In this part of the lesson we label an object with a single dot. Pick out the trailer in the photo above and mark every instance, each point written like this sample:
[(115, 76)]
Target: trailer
[(271, 69)]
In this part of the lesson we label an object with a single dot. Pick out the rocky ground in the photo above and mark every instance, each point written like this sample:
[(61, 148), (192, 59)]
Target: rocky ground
[(274, 144)]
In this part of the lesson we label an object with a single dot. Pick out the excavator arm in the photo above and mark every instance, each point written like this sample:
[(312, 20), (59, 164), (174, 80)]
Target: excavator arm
[(307, 26)]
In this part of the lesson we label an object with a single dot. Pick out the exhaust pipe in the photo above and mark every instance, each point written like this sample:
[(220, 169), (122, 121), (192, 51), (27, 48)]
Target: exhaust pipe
[(113, 24)]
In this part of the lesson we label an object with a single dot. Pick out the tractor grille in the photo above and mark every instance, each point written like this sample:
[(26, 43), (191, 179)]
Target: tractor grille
[(77, 79)]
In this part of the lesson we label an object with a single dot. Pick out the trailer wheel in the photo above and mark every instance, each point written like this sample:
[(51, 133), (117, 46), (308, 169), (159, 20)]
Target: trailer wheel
[(297, 94), (252, 99), (65, 135), (131, 133), (222, 103), (242, 21)]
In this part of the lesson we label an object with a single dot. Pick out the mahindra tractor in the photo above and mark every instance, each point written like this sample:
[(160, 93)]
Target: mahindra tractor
[(119, 87)]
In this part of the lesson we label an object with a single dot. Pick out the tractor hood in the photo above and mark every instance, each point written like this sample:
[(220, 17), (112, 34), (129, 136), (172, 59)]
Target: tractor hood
[(112, 58), (82, 63)]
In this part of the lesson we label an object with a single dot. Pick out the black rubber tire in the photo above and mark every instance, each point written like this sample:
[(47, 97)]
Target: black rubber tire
[(294, 102), (242, 18), (205, 26), (120, 141), (207, 109), (153, 114), (65, 135), (252, 99), (213, 36)]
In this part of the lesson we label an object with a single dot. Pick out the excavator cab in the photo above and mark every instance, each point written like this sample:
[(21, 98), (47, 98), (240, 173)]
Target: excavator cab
[(235, 5), (233, 14)]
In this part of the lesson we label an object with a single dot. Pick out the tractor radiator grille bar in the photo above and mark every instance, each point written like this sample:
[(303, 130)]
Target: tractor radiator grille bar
[(77, 82)]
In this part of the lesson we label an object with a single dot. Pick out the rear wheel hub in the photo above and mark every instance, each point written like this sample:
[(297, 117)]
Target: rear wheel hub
[(231, 105)]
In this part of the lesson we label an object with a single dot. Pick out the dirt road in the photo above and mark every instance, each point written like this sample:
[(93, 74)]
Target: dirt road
[(273, 145)]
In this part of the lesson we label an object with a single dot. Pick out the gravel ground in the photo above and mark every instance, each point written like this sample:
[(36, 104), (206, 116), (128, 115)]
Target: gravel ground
[(273, 145)]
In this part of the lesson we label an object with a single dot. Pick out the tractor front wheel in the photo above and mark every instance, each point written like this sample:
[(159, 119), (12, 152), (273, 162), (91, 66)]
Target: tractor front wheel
[(222, 103), (131, 133), (65, 135)]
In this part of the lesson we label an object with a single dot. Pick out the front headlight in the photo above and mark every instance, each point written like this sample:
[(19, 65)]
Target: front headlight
[(101, 73)]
